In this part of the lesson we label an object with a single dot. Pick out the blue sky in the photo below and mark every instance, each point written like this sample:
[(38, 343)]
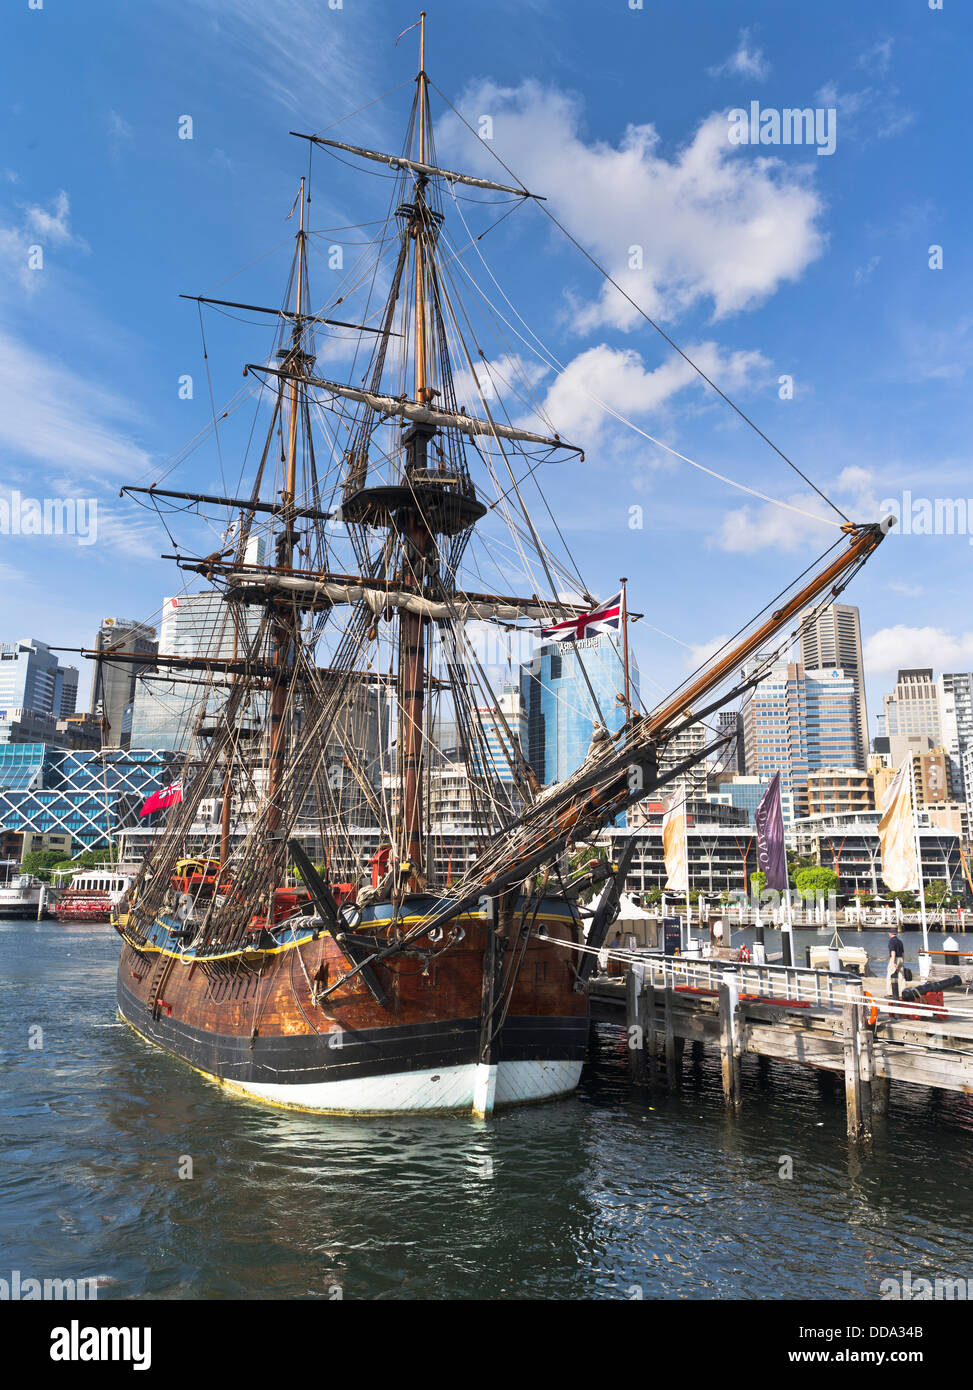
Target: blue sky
[(765, 261)]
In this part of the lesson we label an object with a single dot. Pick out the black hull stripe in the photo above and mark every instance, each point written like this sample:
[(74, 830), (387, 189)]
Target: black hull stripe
[(304, 1060)]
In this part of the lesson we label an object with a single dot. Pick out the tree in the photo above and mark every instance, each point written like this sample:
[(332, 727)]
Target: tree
[(814, 883), (795, 863), (864, 897), (938, 894), (88, 859), (906, 897), (40, 862), (758, 882), (652, 895)]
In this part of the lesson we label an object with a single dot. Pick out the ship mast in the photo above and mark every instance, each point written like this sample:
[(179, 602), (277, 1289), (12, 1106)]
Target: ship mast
[(295, 362), (416, 540)]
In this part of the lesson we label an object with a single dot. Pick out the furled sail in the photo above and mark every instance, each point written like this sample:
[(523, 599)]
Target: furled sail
[(422, 414), (396, 161), (459, 607)]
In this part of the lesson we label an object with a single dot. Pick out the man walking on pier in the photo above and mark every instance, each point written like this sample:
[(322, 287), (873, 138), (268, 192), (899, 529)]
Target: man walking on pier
[(896, 962)]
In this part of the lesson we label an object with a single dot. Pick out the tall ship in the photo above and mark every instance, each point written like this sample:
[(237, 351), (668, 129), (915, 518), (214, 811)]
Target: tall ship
[(302, 930)]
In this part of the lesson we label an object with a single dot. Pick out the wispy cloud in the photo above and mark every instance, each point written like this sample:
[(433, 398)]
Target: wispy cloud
[(120, 134), (872, 113), (53, 414), (32, 225), (746, 60), (878, 58), (309, 57)]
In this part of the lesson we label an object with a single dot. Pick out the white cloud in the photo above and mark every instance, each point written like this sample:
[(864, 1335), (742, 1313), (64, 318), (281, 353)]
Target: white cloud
[(866, 271), (509, 377), (41, 225), (120, 134), (701, 652), (619, 379), (878, 58), (745, 61), (303, 52), (856, 490), (898, 647), (711, 223), (50, 413), (750, 528), (874, 113)]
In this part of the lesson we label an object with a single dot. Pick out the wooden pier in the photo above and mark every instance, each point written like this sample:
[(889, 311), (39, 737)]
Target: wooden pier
[(810, 1018)]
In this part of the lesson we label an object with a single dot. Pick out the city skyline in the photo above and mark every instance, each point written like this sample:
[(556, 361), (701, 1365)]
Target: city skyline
[(836, 331)]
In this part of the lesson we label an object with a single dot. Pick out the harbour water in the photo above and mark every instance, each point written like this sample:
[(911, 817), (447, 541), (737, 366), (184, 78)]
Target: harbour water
[(615, 1193)]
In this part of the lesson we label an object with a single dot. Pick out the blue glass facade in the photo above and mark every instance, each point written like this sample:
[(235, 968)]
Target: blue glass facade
[(87, 795), (560, 710)]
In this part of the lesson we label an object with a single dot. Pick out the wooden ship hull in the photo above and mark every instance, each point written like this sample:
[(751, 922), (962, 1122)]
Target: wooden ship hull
[(259, 1026)]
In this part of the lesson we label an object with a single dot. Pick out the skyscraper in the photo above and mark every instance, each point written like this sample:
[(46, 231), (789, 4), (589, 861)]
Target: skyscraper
[(912, 709), (956, 717), (797, 721), (193, 625), (509, 713), (561, 712), (32, 679), (833, 638), (113, 684)]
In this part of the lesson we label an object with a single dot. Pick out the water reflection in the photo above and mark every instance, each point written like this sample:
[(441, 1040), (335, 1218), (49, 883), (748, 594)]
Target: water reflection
[(617, 1192)]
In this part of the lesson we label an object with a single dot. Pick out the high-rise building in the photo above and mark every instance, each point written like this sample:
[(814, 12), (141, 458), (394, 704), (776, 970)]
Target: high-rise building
[(32, 679), (113, 685), (561, 712), (956, 716), (509, 713), (689, 742), (833, 638), (913, 708), (797, 721), (746, 793), (730, 721), (166, 703)]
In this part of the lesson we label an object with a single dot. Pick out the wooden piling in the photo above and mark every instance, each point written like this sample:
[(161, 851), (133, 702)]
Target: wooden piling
[(881, 1086), (649, 1034), (633, 1023), (854, 1099), (729, 1053), (670, 1036)]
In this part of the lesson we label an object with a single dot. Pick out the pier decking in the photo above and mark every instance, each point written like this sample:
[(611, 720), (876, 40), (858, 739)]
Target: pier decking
[(811, 1018)]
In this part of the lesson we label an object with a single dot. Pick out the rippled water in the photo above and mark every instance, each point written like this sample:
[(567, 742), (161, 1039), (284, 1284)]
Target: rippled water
[(613, 1193)]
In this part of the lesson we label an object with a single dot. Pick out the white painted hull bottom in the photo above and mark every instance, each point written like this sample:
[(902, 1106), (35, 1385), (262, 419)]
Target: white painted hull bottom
[(449, 1088)]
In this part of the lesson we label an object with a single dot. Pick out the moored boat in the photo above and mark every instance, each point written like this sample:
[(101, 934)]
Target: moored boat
[(307, 946)]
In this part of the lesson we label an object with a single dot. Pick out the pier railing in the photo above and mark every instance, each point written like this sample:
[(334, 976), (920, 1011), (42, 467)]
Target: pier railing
[(825, 989)]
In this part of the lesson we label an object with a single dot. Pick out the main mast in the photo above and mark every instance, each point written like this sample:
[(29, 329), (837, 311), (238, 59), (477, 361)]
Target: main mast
[(416, 539), (295, 362)]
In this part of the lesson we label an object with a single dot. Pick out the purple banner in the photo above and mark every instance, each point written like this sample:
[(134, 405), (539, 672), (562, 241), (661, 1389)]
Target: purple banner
[(771, 851)]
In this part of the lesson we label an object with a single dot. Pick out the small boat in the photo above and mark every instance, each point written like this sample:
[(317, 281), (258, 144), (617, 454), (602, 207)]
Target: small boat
[(22, 896), (92, 895), (851, 957)]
